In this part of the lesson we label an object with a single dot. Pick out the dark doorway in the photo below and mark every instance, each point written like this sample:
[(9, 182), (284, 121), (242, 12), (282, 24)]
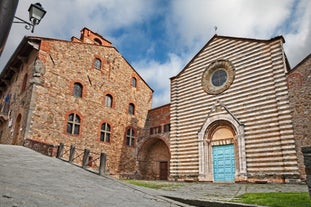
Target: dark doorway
[(163, 170)]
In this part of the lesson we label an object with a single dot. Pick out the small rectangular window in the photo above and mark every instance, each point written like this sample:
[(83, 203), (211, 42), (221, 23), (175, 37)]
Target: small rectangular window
[(97, 64), (134, 82), (167, 127)]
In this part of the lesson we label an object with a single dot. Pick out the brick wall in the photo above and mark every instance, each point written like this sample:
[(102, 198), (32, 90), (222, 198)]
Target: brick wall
[(299, 84), (46, 149), (153, 145)]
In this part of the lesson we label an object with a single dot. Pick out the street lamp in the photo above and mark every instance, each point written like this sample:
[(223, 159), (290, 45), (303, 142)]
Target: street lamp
[(36, 13)]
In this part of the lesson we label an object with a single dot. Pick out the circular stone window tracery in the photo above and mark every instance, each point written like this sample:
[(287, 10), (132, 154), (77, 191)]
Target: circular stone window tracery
[(218, 77)]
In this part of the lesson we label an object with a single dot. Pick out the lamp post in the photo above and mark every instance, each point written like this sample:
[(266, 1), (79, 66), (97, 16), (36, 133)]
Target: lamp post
[(36, 13)]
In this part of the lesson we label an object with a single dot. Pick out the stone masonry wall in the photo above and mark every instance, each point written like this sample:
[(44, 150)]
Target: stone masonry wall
[(153, 145), (15, 108), (66, 63), (299, 84), (307, 162)]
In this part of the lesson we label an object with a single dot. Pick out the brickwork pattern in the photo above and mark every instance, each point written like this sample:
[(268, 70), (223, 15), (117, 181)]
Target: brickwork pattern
[(153, 148), (307, 162), (299, 84), (55, 67), (15, 100)]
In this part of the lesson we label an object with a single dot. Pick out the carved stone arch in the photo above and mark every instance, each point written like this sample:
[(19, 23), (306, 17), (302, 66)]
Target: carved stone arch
[(205, 146)]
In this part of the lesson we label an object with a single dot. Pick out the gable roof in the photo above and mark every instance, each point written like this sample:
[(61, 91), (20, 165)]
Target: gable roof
[(232, 38), (25, 46)]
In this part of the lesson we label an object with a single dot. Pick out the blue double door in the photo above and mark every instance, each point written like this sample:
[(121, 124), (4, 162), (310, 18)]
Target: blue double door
[(223, 163)]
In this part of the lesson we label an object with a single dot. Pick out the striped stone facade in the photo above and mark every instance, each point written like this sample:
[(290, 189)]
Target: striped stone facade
[(255, 108)]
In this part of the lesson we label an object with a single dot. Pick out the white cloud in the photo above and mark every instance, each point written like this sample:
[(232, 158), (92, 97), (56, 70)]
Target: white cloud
[(188, 26), (195, 20), (66, 18), (158, 75), (298, 38)]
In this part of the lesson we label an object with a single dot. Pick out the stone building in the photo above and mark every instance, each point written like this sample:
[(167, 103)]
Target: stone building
[(230, 115), (237, 113), (80, 92), (299, 91), (153, 156)]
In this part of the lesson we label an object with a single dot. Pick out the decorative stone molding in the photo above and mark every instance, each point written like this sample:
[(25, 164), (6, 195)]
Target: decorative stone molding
[(38, 72), (205, 146), (228, 70)]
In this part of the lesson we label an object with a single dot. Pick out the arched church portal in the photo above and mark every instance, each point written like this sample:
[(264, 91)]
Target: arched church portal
[(222, 150)]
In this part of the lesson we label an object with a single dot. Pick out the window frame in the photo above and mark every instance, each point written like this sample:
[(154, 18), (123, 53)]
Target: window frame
[(134, 82), (95, 64), (130, 137), (131, 109), (219, 77), (73, 124), (167, 128), (155, 130), (105, 132), (80, 95), (107, 96)]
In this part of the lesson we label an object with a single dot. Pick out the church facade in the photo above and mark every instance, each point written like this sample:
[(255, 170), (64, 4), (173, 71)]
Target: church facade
[(230, 114)]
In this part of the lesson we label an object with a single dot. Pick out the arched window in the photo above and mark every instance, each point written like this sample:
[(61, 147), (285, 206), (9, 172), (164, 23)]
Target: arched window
[(105, 131), (108, 100), (134, 82), (131, 109), (77, 90), (97, 41), (97, 64), (73, 124), (130, 137)]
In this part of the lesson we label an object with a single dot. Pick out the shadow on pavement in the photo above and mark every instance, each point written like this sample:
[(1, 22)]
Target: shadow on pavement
[(208, 203)]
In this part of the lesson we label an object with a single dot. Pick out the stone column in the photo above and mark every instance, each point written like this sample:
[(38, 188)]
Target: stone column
[(307, 160)]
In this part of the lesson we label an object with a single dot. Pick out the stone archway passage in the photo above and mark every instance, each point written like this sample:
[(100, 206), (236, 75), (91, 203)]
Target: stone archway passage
[(153, 160)]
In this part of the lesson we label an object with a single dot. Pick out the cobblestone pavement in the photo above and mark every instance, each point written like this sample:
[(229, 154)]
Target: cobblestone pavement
[(28, 178)]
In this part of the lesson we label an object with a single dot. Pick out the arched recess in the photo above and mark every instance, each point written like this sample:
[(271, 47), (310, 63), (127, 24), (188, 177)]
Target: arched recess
[(153, 159), (207, 139), (17, 127)]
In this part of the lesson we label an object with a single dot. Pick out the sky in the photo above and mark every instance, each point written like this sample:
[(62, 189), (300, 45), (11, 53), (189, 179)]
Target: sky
[(159, 37)]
